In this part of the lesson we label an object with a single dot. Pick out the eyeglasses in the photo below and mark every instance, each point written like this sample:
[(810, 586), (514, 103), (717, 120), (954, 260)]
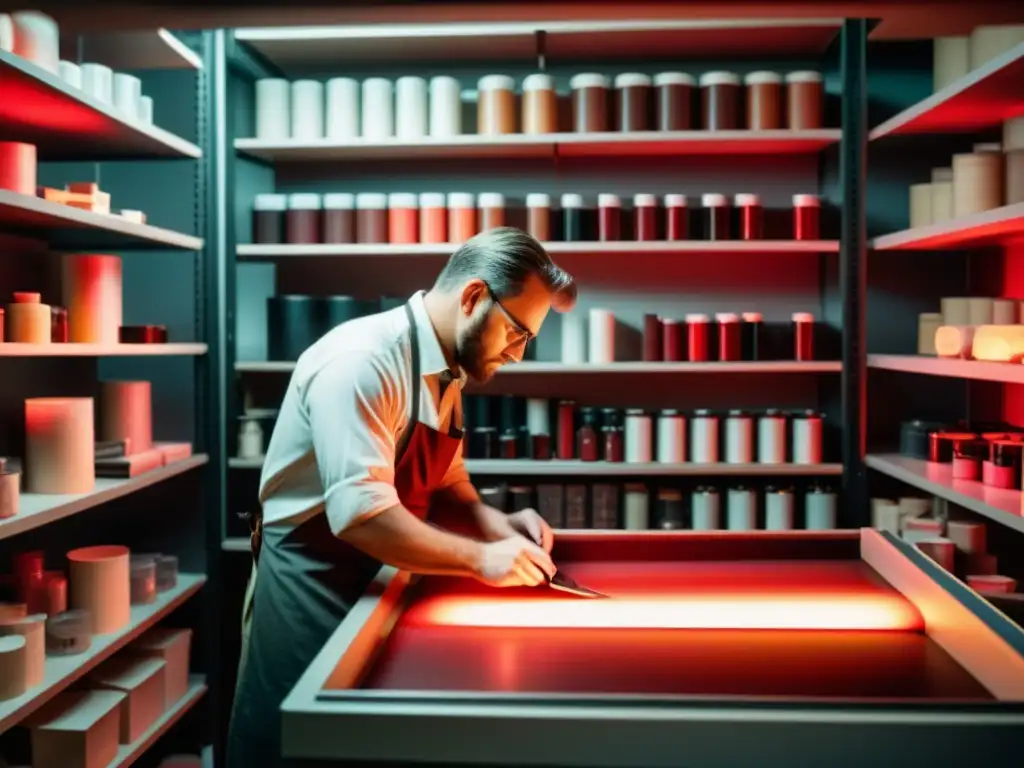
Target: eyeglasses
[(522, 333)]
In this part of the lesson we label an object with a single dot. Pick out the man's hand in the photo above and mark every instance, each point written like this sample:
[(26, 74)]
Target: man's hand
[(514, 562), (531, 525)]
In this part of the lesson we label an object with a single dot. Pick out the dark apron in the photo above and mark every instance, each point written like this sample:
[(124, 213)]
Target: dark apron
[(308, 581)]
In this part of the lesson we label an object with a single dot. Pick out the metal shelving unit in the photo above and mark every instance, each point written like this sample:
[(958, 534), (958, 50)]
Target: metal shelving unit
[(66, 125)]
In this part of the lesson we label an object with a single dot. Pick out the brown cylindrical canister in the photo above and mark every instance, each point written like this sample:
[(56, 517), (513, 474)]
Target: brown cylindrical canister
[(540, 105), (674, 101), (977, 180), (645, 222), (804, 97), (304, 221), (496, 105), (1015, 177), (461, 217), (371, 217), (538, 215), (589, 103), (652, 338), (609, 218), (806, 217), (339, 218), (403, 218), (268, 212), (492, 210), (58, 325), (677, 217), (634, 102), (764, 101), (720, 101)]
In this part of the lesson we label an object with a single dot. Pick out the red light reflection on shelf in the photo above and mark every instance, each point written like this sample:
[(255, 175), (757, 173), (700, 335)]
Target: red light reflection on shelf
[(849, 611)]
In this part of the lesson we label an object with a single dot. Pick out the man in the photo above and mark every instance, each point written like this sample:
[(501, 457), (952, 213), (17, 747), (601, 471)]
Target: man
[(367, 440)]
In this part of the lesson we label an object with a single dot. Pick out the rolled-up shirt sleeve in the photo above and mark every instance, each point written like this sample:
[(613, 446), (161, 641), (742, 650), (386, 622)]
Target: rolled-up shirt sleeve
[(352, 405)]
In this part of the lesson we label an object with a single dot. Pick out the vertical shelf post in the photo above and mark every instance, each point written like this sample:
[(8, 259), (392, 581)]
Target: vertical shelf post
[(212, 371), (853, 267)]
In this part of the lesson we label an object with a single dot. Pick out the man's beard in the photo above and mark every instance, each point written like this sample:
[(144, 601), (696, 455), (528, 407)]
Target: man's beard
[(469, 350)]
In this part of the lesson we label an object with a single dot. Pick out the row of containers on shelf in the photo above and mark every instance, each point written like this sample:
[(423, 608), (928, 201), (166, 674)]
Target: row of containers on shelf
[(411, 108), (989, 176), (35, 37), (959, 546), (91, 294), (295, 322), (70, 441), (957, 56), (973, 328), (48, 614), (18, 173), (638, 507), (405, 218), (541, 429), (990, 453)]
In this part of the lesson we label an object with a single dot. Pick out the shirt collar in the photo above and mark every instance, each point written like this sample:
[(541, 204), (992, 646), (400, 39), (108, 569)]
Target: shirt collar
[(432, 359)]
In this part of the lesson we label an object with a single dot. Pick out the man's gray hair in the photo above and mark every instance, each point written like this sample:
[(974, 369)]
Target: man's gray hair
[(503, 258)]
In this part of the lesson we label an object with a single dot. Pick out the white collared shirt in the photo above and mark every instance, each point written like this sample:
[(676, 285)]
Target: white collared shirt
[(347, 404)]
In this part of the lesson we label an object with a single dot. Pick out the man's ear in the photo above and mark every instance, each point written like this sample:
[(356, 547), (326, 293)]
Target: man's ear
[(473, 292)]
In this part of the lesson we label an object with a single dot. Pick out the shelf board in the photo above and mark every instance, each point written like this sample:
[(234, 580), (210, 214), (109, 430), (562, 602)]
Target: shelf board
[(127, 754), (649, 143), (981, 99), (999, 225), (128, 51), (1004, 507), (529, 467), (102, 350), (520, 369), (296, 49), (39, 509), (678, 247), (975, 370), (62, 671), (64, 227), (64, 123)]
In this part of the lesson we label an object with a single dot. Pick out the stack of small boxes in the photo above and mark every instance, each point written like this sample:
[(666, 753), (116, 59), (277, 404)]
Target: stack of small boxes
[(88, 196)]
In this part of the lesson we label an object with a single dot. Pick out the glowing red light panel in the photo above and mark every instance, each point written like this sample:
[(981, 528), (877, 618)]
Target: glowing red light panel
[(709, 595)]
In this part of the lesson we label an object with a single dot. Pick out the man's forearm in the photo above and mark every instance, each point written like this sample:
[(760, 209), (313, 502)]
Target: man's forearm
[(399, 538), (468, 516)]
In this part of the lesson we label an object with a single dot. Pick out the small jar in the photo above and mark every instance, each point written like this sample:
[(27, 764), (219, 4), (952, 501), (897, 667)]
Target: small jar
[(677, 217), (492, 210), (566, 429), (764, 101), (445, 107), (540, 105), (674, 100), (58, 325), (609, 218), (538, 216), (750, 335), (378, 115), (410, 108), (639, 436), (614, 448), (671, 438), (403, 218), (371, 218), (977, 181), (672, 342), (716, 216), (268, 213), (728, 336), (807, 438), (433, 218), (749, 217), (652, 339), (806, 217), (805, 96), (739, 438), (589, 103), (496, 106), (704, 437), (771, 438), (697, 337), (645, 211), (304, 220), (573, 213), (339, 218), (586, 436), (461, 217), (720, 101), (803, 336), (634, 101)]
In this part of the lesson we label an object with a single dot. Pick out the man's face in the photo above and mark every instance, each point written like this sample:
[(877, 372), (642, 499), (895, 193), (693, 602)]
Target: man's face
[(490, 333)]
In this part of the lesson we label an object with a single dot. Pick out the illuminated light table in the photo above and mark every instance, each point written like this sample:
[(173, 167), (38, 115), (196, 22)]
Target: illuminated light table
[(843, 648)]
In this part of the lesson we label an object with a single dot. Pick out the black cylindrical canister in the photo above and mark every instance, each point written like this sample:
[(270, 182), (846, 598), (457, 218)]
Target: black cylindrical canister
[(291, 326)]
